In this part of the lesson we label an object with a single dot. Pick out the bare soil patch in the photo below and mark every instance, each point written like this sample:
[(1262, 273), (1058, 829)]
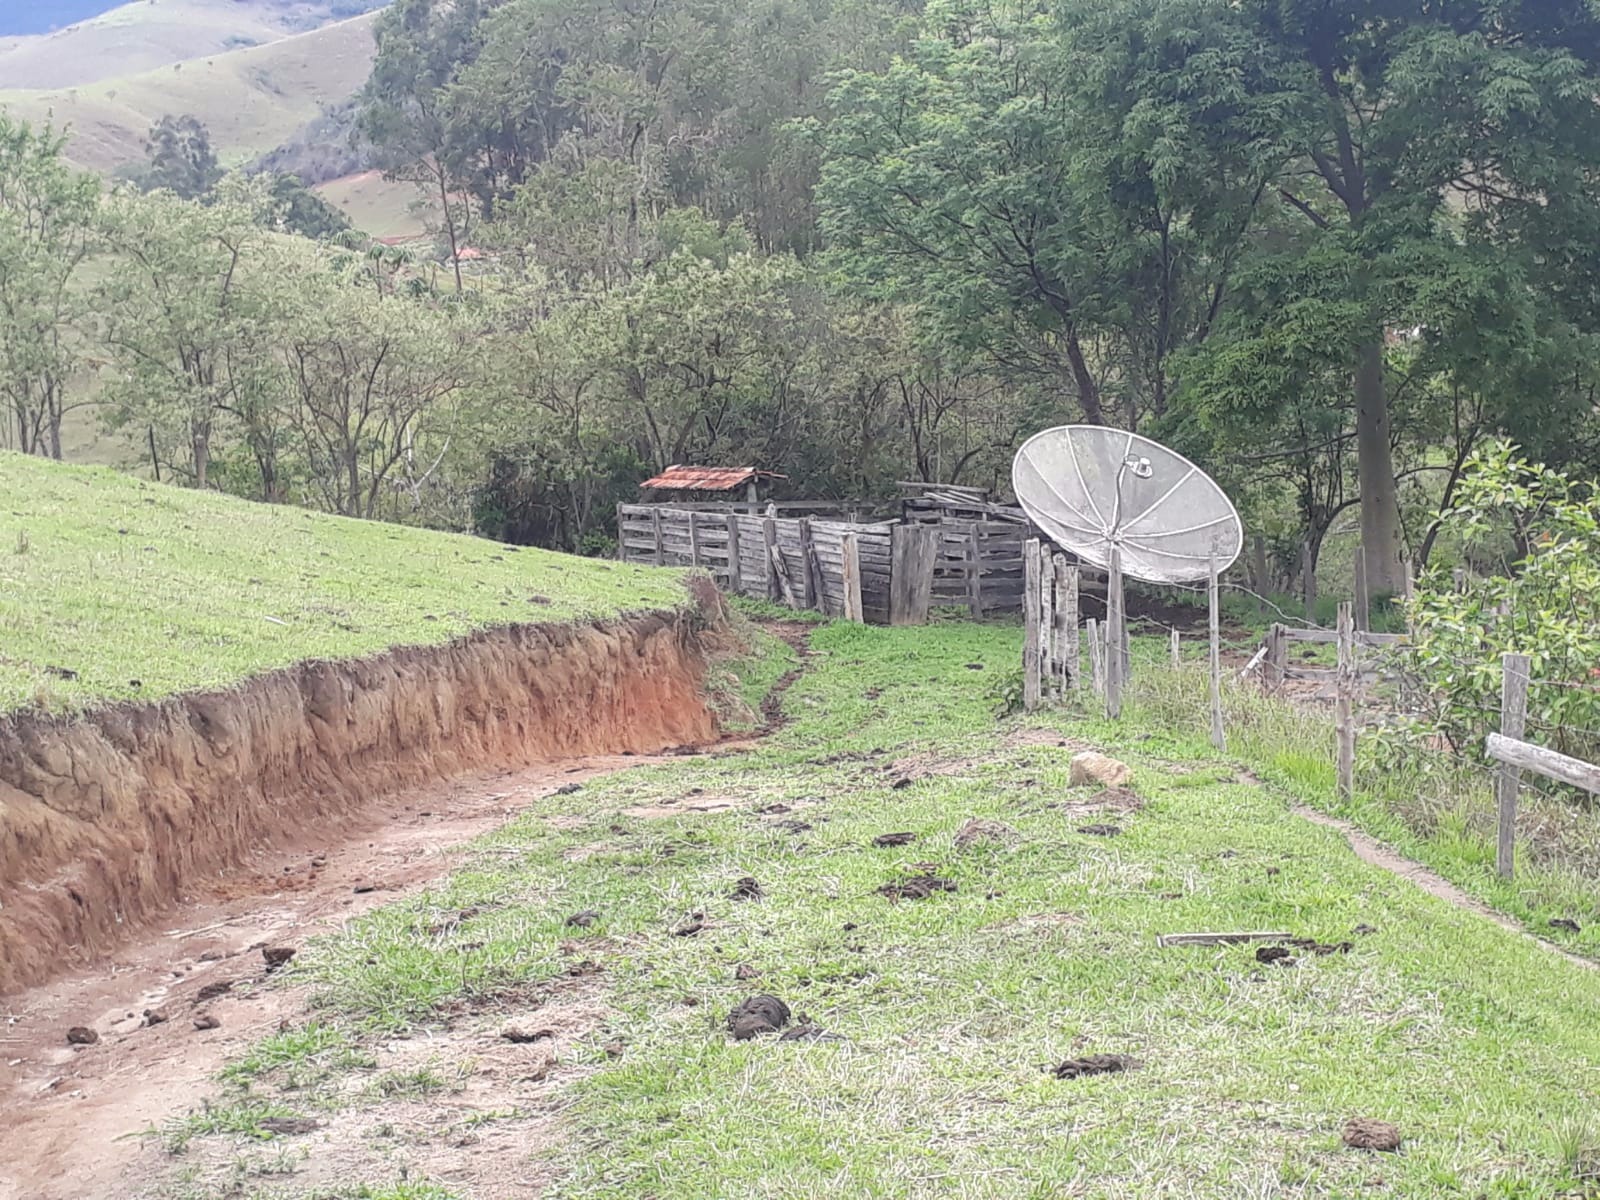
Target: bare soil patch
[(68, 1108)]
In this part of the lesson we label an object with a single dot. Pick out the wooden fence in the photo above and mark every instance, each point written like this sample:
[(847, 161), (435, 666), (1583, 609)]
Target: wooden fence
[(880, 572), (902, 569)]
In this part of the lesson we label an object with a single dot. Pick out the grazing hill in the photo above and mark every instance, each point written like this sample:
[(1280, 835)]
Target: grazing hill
[(68, 43), (107, 579), (252, 99)]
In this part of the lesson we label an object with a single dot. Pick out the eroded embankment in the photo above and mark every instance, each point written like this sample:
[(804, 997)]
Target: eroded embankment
[(108, 818)]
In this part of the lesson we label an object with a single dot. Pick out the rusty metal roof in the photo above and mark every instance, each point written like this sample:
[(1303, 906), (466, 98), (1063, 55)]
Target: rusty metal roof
[(707, 479)]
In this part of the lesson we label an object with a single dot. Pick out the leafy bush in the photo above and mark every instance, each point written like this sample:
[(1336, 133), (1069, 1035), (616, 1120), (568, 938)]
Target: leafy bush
[(1536, 534)]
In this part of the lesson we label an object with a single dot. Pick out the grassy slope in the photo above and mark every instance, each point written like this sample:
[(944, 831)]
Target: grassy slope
[(126, 580), (376, 206), (136, 37), (251, 99), (1479, 1043)]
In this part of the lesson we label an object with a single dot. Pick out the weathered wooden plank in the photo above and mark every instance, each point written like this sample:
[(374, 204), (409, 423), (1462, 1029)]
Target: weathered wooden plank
[(655, 521), (1550, 763), (1330, 637), (911, 575), (1219, 735), (1067, 621), (1031, 632), (852, 580)]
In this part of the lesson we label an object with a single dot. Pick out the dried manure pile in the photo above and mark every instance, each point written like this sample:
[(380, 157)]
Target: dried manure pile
[(185, 679), (898, 948)]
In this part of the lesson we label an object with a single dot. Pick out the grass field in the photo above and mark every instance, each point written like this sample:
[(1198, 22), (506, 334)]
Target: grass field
[(112, 587), (251, 99), (946, 1012), (375, 206), (146, 34)]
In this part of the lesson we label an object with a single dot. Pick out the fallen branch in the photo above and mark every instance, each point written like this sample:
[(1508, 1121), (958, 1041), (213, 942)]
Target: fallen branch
[(1219, 939)]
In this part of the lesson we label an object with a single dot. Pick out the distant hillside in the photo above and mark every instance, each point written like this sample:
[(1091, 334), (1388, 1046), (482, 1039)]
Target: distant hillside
[(71, 46), (252, 99)]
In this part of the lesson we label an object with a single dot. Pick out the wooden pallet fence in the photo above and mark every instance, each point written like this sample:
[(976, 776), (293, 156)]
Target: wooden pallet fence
[(798, 561), (1050, 651)]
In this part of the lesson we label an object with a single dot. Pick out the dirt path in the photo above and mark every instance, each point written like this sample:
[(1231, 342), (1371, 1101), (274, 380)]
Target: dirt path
[(66, 1111), (1369, 850)]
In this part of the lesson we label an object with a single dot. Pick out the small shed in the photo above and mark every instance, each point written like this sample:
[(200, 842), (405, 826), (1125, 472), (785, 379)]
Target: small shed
[(699, 483)]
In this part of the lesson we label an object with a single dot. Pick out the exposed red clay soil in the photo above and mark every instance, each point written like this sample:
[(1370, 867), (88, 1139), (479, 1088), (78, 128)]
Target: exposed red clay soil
[(67, 1111), (109, 819)]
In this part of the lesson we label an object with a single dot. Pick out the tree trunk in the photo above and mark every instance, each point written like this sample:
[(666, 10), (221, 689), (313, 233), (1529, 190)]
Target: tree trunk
[(200, 444), (1088, 390), (1380, 500)]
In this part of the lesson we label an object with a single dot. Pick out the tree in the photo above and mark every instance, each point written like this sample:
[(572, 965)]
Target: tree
[(47, 232), (405, 109), (183, 317), (1011, 179), (180, 158), (1413, 137)]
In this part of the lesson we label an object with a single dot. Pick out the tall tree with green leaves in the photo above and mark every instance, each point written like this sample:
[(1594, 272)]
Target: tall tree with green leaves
[(180, 158), (47, 232), (1437, 164)]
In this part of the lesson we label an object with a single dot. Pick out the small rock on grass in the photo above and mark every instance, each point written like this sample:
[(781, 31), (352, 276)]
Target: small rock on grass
[(1089, 767), (521, 1037), (287, 1125), (757, 1015), (1365, 1133), (82, 1035), (978, 831), (1094, 1064), (276, 956)]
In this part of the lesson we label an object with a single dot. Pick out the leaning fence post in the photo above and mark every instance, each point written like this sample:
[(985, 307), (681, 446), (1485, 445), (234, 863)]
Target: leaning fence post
[(1508, 780), (1030, 617), (1219, 737), (1344, 704)]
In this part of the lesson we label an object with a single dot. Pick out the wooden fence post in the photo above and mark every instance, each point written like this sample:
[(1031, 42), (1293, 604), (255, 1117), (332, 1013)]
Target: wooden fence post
[(1219, 737), (655, 525), (622, 537), (735, 567), (1047, 622), (1097, 674), (694, 539), (1363, 611), (810, 590), (851, 572), (1116, 634), (1031, 587), (1508, 781), (1067, 622), (1177, 656), (769, 535), (1258, 572), (974, 575), (1344, 704)]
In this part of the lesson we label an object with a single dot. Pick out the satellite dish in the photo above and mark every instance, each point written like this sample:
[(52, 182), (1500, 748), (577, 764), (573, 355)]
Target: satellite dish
[(1091, 487)]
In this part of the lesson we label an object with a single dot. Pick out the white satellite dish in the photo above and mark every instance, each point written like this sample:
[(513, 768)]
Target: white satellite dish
[(1091, 488)]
